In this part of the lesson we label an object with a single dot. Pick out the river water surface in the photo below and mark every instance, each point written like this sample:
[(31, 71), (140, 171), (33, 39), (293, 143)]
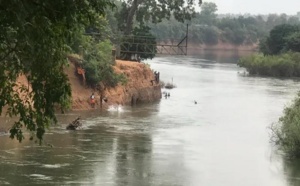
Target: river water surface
[(223, 140)]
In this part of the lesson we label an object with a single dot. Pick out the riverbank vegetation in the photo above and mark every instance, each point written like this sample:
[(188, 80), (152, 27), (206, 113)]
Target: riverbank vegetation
[(286, 132), (280, 57), (96, 55), (282, 65), (37, 36), (279, 54)]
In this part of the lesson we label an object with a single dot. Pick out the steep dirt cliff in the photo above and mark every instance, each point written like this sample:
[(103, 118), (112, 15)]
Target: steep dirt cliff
[(140, 87)]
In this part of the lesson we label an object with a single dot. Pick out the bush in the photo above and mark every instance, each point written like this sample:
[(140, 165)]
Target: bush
[(286, 133), (97, 62), (283, 65)]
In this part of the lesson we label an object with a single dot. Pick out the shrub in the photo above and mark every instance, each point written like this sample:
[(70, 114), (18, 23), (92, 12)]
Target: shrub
[(286, 133), (98, 64), (283, 65)]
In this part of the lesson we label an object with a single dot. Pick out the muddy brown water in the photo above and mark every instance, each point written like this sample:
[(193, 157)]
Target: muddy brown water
[(223, 140)]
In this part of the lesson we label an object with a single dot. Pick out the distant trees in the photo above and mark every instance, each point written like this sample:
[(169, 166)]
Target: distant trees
[(293, 42), (280, 57), (207, 15), (282, 38), (237, 30)]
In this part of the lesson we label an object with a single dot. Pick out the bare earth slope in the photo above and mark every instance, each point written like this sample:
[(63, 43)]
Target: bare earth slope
[(139, 88)]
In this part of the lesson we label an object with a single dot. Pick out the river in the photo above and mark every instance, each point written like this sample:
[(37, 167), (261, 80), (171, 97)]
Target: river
[(223, 140)]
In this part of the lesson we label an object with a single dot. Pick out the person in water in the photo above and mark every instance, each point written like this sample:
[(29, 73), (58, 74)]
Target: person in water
[(92, 100)]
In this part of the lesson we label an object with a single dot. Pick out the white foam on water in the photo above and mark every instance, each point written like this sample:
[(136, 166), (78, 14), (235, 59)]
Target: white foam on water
[(40, 177), (55, 166), (115, 108), (84, 140), (4, 183)]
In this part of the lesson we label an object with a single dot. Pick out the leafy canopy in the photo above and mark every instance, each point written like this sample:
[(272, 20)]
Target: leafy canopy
[(133, 15), (281, 37), (154, 11), (34, 38)]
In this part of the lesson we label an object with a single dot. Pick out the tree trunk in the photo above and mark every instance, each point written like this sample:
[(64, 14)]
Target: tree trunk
[(129, 20)]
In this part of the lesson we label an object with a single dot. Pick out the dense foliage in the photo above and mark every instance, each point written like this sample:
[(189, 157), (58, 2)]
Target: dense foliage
[(142, 11), (282, 38), (96, 51), (207, 27), (132, 17), (280, 54), (286, 132), (34, 41), (283, 65)]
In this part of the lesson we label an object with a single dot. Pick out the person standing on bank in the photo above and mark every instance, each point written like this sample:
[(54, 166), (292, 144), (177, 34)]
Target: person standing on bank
[(92, 100)]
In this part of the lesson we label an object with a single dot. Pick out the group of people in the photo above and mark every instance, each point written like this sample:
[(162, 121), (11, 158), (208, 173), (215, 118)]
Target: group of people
[(166, 94)]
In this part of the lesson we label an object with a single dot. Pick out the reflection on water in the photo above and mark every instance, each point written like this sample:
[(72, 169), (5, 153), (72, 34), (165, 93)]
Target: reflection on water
[(221, 141), (292, 171)]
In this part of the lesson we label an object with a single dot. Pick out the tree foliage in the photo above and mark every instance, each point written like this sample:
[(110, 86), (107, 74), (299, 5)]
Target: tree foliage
[(34, 38), (93, 44), (133, 16), (293, 42), (97, 62), (154, 11), (276, 42), (286, 132), (141, 42), (233, 29)]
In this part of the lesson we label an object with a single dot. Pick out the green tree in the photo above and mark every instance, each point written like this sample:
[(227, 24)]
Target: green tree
[(153, 11), (210, 35), (34, 38), (208, 14), (276, 41), (293, 42), (286, 133)]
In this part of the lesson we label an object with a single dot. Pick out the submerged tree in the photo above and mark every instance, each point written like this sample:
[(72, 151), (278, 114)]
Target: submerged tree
[(34, 38)]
